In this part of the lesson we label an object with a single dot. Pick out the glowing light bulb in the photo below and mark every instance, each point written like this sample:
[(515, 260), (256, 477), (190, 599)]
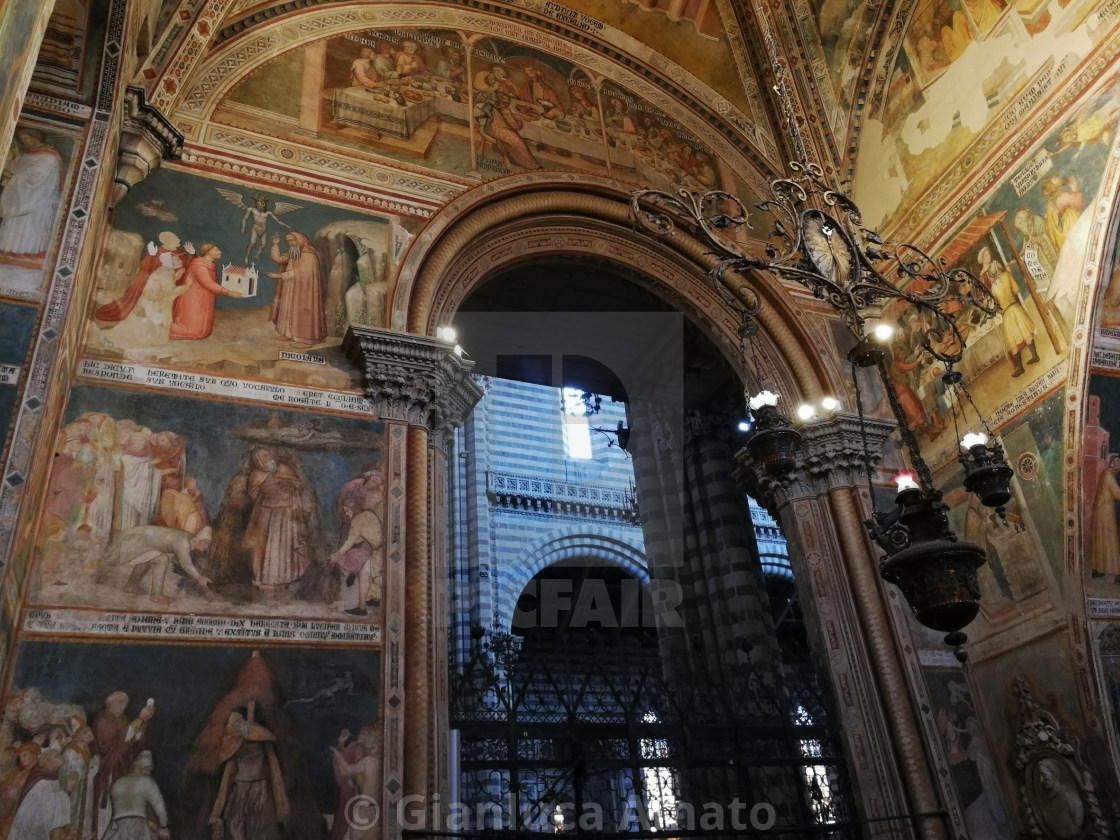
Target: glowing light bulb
[(806, 412), (974, 439), (447, 333), (905, 481), (763, 398), (830, 404), (883, 332)]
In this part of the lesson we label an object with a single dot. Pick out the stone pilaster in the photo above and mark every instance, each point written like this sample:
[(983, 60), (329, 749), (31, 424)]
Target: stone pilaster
[(147, 139), (821, 510), (422, 389)]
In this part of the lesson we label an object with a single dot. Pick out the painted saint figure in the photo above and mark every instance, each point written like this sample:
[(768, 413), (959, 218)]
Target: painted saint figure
[(363, 537), (502, 126), (119, 741), (157, 550), (32, 184), (357, 770), (1104, 536), (409, 60), (297, 307), (278, 535), (1018, 328), (155, 286), (362, 74), (192, 316), (133, 797), (252, 803)]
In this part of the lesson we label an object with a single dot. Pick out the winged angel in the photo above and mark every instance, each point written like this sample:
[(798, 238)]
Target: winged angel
[(260, 214)]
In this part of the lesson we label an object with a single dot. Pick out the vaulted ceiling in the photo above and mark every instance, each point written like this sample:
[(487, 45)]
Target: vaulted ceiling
[(891, 98)]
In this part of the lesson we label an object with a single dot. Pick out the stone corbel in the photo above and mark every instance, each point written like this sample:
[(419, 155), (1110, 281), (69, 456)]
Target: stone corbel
[(147, 139), (413, 379), (832, 454)]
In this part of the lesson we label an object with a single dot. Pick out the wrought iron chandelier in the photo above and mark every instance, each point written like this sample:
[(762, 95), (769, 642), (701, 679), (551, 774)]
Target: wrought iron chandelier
[(815, 237)]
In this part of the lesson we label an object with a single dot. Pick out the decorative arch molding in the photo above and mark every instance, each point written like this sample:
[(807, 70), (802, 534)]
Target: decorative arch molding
[(598, 545), (686, 99), (505, 223)]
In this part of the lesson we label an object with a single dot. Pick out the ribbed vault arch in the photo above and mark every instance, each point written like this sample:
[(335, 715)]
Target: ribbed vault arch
[(594, 545), (524, 218)]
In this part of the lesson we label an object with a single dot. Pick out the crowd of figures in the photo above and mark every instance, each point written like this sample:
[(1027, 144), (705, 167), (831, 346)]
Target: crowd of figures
[(123, 512), (67, 776)]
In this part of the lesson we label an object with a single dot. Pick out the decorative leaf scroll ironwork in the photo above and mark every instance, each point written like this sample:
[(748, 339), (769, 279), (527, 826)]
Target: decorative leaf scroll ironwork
[(816, 238)]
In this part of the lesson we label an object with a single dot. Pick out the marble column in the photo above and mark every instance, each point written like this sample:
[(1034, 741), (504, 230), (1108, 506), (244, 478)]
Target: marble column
[(821, 511), (716, 635), (421, 390)]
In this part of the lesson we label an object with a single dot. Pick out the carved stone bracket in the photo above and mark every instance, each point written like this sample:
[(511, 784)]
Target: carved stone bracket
[(1056, 788), (832, 454), (147, 139), (413, 379)]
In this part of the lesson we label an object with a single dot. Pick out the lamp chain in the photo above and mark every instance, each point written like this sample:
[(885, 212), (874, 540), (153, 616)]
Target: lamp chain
[(863, 443), (783, 83), (909, 440)]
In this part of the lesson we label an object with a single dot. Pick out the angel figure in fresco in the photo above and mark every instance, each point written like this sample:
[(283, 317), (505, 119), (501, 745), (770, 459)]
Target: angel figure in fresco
[(260, 214)]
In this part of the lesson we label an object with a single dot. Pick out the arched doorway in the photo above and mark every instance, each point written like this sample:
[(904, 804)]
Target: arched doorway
[(621, 725), (523, 222)]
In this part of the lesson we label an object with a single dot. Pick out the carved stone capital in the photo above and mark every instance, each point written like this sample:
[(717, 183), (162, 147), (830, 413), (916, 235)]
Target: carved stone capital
[(413, 379), (147, 139), (832, 454)]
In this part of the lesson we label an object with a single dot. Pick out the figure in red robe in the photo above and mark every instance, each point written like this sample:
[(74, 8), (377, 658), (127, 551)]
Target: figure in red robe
[(168, 255), (118, 742), (192, 317)]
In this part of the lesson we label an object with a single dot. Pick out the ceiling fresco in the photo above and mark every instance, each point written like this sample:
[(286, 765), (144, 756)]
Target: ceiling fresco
[(697, 35), (468, 106), (931, 111), (835, 36)]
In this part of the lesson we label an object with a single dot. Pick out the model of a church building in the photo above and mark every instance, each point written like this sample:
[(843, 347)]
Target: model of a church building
[(240, 279)]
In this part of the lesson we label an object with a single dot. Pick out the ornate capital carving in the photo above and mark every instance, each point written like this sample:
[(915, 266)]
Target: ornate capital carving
[(831, 455), (413, 379), (147, 139)]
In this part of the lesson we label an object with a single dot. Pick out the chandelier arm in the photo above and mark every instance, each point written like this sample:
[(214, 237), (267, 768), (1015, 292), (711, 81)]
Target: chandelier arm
[(661, 214)]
